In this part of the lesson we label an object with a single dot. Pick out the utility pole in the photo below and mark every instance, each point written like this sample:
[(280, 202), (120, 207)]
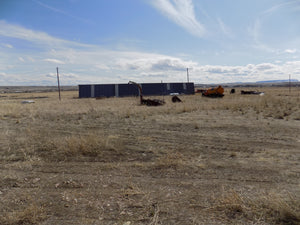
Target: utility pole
[(187, 75), (58, 83), (290, 83)]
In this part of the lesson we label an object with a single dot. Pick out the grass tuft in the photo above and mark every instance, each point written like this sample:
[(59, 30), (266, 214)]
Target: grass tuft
[(78, 146), (31, 215), (270, 208)]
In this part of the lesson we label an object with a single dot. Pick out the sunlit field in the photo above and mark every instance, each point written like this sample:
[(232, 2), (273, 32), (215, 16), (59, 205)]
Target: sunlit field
[(233, 160)]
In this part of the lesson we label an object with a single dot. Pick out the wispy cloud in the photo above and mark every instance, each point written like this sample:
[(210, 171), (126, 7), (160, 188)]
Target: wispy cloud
[(21, 59), (19, 32), (294, 4), (291, 51), (55, 61), (2, 74), (257, 30), (36, 37), (182, 13), (56, 10), (8, 45), (82, 60), (81, 63), (225, 29)]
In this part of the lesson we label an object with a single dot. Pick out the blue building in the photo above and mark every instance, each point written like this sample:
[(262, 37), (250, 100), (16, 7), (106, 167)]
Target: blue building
[(123, 90)]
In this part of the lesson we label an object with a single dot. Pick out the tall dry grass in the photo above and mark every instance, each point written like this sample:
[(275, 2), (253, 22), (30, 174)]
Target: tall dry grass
[(30, 215), (273, 104), (266, 208), (57, 128), (84, 130)]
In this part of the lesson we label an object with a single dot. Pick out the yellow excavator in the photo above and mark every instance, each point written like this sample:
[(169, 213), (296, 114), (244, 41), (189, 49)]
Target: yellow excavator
[(216, 92)]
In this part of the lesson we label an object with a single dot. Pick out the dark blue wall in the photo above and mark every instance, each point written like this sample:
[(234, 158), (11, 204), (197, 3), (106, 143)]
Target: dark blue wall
[(128, 90), (153, 89), (84, 91), (190, 89), (104, 90), (109, 90)]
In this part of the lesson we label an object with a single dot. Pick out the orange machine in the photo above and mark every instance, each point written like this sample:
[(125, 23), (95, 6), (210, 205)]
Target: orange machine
[(214, 92)]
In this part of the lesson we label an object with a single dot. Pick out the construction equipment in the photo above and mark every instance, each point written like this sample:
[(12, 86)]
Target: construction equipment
[(148, 102), (175, 98), (214, 92), (252, 93), (200, 90)]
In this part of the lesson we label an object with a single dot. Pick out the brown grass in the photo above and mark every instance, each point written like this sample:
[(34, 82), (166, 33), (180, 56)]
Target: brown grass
[(268, 208), (112, 161), (31, 214)]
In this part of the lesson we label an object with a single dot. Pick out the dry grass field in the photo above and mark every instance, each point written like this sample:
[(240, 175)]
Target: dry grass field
[(234, 160)]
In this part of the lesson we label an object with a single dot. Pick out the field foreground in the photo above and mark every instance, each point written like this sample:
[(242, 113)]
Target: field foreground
[(234, 160)]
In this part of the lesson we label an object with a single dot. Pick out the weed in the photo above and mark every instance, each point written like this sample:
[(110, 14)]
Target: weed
[(170, 160), (30, 215), (77, 146), (270, 208)]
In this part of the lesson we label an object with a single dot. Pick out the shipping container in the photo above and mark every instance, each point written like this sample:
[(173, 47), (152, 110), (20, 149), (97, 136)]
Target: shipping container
[(123, 90)]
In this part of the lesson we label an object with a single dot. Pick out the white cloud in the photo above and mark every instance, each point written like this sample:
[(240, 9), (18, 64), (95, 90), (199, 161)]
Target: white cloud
[(55, 61), (265, 39), (265, 66), (59, 11), (182, 13), (81, 63), (247, 73), (2, 74), (15, 31), (154, 62), (225, 29), (21, 59), (8, 45), (294, 4), (36, 37), (69, 75), (91, 61), (63, 75), (255, 33), (291, 51)]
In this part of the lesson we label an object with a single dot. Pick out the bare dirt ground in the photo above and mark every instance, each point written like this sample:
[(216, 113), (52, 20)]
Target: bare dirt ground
[(234, 160)]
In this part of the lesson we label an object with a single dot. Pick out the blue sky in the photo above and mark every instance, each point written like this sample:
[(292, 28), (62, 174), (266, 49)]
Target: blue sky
[(114, 41)]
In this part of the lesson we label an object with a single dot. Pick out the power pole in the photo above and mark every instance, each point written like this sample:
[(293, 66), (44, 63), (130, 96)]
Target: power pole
[(187, 75), (290, 83), (58, 83)]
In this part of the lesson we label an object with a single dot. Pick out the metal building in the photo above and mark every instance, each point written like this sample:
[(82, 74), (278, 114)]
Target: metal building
[(123, 90)]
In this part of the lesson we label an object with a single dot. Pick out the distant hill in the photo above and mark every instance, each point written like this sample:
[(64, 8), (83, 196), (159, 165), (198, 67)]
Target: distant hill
[(277, 81), (266, 83)]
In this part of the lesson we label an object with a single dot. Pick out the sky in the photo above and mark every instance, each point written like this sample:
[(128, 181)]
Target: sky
[(115, 41)]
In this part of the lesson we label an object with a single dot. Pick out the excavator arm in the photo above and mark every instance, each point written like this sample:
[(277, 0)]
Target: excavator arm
[(140, 90), (148, 102)]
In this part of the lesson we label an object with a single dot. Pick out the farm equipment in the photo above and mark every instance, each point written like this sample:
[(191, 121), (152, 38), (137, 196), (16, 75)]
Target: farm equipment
[(252, 93), (175, 98), (200, 90), (214, 92), (148, 102)]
